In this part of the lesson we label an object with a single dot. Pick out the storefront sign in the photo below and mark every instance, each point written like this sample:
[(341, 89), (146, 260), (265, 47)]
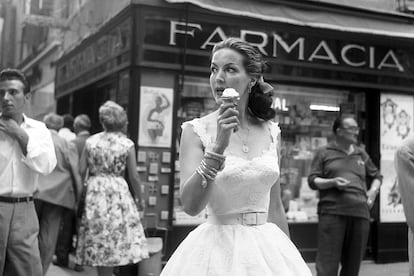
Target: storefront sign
[(396, 124), (108, 45), (301, 48), (279, 104)]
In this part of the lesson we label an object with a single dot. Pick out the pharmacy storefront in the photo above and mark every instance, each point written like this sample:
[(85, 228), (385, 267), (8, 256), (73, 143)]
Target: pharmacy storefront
[(161, 75)]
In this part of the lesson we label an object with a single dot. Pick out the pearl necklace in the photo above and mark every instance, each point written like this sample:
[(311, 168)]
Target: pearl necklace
[(245, 147)]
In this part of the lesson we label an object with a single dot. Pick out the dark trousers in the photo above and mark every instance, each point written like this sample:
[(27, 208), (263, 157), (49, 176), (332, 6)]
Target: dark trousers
[(49, 221), (66, 232), (341, 239), (19, 246)]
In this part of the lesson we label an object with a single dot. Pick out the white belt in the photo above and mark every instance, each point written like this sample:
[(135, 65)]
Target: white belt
[(250, 219)]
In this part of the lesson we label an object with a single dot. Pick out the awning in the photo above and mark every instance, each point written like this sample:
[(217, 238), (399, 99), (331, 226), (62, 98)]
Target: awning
[(307, 18)]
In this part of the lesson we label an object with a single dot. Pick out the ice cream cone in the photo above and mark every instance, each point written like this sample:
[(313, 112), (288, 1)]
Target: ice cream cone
[(230, 95)]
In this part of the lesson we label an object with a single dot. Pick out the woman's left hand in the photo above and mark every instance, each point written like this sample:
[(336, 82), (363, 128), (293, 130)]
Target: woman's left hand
[(371, 198)]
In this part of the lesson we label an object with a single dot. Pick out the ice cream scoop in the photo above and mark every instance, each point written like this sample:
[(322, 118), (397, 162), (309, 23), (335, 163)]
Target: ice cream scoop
[(230, 95)]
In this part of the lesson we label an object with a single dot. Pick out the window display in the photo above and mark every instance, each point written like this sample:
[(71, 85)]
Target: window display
[(305, 116)]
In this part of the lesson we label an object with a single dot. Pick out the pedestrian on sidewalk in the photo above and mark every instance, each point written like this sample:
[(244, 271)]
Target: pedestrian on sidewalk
[(66, 131), (339, 171), (26, 150), (58, 191), (81, 126), (110, 232), (404, 166)]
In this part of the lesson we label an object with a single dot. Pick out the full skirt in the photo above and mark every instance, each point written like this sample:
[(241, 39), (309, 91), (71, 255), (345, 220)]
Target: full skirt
[(236, 250), (110, 232)]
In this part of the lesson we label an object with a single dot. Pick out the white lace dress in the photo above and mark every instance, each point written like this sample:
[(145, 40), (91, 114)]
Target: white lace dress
[(238, 250)]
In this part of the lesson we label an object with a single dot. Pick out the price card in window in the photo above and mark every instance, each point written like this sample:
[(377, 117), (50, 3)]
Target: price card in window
[(166, 157), (153, 168), (141, 156)]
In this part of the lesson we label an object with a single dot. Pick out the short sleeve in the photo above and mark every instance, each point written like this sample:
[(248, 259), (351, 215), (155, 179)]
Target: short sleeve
[(370, 169), (199, 129), (128, 143)]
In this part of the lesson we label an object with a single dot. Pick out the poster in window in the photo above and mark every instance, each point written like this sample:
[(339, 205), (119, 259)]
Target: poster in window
[(396, 123), (155, 123)]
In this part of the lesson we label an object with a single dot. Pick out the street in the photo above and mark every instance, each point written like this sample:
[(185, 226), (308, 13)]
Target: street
[(368, 268)]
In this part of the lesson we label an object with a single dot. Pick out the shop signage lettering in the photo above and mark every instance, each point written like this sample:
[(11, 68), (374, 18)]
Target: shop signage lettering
[(321, 52), (107, 46), (279, 104), (388, 147)]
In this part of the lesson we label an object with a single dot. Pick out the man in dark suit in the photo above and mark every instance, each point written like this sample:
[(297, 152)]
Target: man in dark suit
[(58, 191), (81, 126)]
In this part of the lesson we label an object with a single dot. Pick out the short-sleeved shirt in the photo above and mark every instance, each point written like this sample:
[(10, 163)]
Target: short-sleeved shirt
[(331, 162)]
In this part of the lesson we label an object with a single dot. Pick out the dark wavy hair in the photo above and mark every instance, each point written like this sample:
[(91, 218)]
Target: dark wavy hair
[(15, 74), (260, 104)]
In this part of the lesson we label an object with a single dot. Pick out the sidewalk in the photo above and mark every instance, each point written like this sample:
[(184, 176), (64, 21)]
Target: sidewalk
[(368, 268)]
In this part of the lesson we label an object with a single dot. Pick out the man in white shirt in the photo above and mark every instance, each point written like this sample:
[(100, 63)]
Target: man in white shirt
[(26, 150)]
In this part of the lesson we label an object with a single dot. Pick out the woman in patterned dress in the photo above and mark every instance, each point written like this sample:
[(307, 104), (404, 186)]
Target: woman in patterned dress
[(110, 233)]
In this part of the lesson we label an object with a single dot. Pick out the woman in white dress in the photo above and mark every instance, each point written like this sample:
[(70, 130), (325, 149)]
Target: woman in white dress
[(229, 162)]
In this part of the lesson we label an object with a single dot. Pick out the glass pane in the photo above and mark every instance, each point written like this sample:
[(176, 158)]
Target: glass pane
[(305, 116)]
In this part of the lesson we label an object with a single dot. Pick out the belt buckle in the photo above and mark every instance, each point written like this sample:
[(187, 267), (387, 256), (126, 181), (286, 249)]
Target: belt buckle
[(249, 218)]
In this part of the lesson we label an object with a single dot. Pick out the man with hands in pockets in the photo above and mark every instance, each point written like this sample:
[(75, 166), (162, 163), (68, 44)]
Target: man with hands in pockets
[(339, 172)]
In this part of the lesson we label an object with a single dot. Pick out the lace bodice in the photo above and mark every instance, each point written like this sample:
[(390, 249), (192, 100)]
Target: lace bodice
[(243, 185)]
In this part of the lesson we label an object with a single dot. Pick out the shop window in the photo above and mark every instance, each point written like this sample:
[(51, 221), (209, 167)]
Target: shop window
[(305, 116), (196, 101)]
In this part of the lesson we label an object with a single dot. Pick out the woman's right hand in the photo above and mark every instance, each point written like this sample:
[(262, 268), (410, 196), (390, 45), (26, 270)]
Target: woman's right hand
[(227, 122)]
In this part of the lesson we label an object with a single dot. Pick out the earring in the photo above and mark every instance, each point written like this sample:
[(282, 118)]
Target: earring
[(251, 84)]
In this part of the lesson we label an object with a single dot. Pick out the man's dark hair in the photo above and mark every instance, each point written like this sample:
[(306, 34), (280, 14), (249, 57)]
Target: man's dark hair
[(339, 122), (68, 121), (15, 74)]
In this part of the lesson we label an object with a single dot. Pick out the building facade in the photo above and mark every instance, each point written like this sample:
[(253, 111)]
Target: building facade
[(153, 58)]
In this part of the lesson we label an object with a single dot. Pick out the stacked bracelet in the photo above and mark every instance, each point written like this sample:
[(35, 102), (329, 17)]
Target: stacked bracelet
[(218, 158), (207, 171)]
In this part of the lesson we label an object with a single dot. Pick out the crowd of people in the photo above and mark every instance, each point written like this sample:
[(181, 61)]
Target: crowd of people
[(56, 183)]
